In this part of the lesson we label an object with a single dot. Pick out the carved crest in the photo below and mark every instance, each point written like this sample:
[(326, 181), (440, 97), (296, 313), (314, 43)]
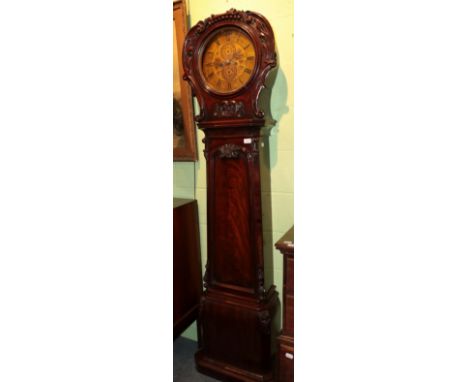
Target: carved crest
[(229, 109), (229, 151)]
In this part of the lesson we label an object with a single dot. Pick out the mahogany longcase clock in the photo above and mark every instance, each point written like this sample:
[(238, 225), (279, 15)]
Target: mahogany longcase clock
[(226, 60)]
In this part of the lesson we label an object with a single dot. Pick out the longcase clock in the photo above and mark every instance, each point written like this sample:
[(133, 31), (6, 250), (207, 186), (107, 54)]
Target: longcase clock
[(226, 60)]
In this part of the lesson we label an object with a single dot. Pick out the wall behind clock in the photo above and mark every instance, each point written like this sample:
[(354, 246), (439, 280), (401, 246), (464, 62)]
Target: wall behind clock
[(189, 179)]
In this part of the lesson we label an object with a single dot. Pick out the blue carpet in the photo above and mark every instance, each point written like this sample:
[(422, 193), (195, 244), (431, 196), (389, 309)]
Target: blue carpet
[(184, 363)]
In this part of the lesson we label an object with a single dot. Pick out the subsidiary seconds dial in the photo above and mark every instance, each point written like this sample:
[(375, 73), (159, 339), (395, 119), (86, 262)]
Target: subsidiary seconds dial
[(228, 60)]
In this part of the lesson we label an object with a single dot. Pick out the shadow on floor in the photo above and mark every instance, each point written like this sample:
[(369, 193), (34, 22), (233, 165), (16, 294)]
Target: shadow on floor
[(184, 363)]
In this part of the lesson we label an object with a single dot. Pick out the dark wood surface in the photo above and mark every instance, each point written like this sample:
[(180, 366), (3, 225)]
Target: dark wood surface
[(237, 308), (285, 362), (187, 283)]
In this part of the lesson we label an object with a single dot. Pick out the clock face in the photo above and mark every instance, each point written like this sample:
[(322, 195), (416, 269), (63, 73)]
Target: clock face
[(228, 60)]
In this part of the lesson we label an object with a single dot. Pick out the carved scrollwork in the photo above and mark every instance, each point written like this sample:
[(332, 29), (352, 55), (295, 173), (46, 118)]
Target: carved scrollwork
[(232, 14), (229, 109), (200, 27), (263, 31), (188, 51), (259, 113), (265, 321), (232, 151), (270, 58), (229, 151)]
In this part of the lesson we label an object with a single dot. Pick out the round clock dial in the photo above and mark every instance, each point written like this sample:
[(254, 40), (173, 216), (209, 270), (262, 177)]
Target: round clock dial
[(228, 60)]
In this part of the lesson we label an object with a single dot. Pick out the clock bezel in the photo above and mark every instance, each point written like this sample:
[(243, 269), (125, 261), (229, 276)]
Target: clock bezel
[(203, 46)]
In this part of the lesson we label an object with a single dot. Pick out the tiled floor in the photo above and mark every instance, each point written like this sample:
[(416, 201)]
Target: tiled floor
[(184, 364)]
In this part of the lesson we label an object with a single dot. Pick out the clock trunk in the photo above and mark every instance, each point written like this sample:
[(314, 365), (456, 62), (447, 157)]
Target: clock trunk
[(238, 306)]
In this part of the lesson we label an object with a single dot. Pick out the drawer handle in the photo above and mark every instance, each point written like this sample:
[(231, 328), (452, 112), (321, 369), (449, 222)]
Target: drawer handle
[(289, 355)]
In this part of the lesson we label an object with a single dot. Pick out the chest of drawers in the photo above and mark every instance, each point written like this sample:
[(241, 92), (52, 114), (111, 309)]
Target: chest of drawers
[(285, 365), (187, 283)]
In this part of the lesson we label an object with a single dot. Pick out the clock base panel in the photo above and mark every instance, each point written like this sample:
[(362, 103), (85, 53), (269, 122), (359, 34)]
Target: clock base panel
[(237, 336), (227, 372)]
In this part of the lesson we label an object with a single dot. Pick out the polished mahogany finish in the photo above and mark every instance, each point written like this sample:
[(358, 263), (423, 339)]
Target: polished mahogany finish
[(187, 279), (238, 307), (286, 339)]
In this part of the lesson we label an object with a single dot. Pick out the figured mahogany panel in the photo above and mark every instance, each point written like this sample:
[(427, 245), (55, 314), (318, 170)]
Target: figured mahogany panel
[(230, 345), (237, 336), (234, 263)]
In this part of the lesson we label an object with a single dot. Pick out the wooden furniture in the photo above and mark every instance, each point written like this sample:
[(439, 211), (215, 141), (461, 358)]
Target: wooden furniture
[(187, 284), (226, 60), (286, 339)]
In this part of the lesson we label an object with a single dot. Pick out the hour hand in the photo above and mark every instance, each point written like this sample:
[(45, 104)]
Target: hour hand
[(237, 55), (218, 63)]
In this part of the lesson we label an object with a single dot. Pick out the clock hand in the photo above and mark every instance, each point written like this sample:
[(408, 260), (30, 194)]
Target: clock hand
[(237, 55), (230, 62)]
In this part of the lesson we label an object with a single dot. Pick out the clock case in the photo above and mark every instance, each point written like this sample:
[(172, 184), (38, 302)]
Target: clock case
[(237, 326)]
